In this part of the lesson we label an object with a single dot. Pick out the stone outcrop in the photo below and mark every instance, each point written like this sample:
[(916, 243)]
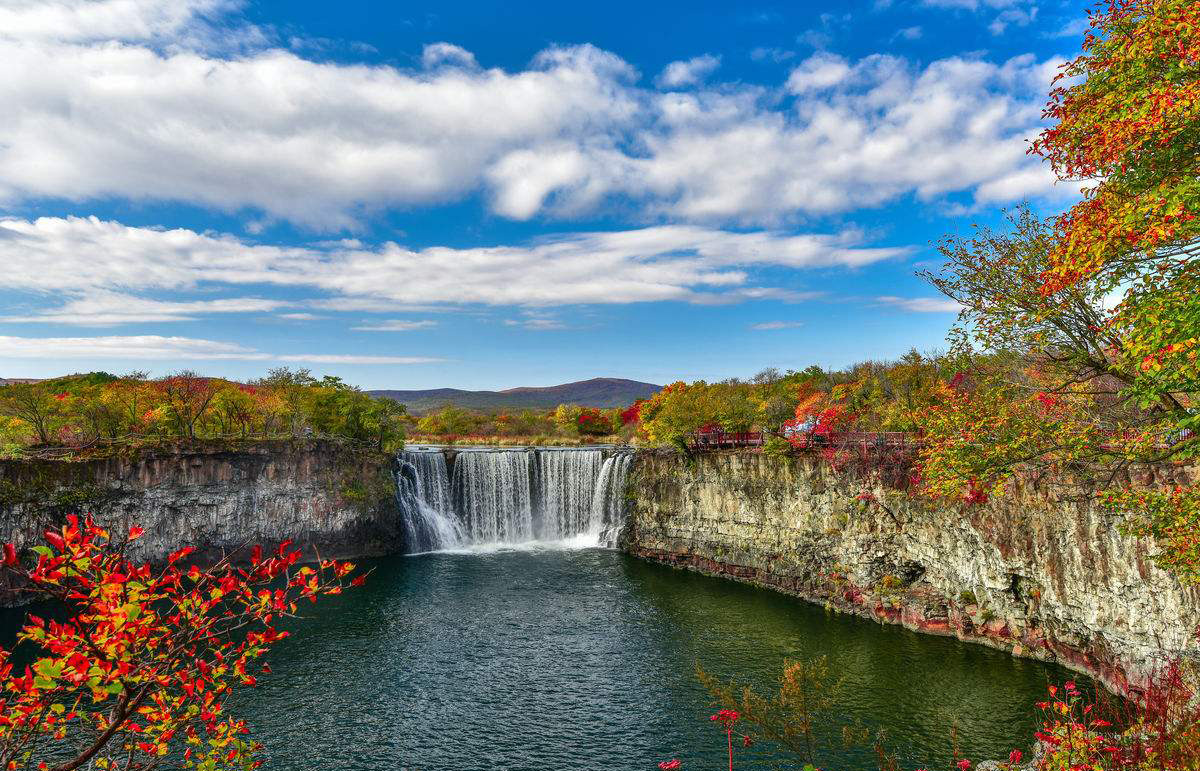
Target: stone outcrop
[(1032, 574), (215, 496)]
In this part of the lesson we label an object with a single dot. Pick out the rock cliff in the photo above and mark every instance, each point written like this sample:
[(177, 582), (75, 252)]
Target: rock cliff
[(1032, 574), (214, 496)]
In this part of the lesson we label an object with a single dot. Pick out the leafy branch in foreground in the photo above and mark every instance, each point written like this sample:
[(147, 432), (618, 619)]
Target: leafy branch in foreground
[(807, 691), (138, 672)]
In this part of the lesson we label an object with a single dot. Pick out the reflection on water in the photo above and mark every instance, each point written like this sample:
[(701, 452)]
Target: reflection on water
[(582, 659)]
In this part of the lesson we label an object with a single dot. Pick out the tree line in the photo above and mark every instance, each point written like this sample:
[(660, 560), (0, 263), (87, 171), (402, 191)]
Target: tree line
[(81, 410)]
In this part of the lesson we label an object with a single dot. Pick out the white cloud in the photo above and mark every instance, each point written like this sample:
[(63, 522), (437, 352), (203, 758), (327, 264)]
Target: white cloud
[(100, 20), (539, 324), (436, 54), (310, 142), (157, 347), (79, 257), (104, 308), (275, 136), (922, 304), (817, 73), (863, 133), (1020, 17), (766, 325), (689, 72), (395, 325)]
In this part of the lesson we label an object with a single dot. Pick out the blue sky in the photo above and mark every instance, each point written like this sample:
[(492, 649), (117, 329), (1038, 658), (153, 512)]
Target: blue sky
[(484, 196)]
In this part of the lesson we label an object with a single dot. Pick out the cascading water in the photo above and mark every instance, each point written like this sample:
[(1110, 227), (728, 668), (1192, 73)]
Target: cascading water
[(493, 495), (423, 495), (565, 481), (511, 496), (608, 499)]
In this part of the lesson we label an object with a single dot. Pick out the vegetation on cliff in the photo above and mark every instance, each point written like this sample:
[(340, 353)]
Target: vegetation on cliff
[(82, 410)]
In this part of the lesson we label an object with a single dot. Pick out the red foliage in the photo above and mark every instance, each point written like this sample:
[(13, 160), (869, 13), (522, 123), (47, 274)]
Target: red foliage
[(632, 413), (146, 657), (593, 421)]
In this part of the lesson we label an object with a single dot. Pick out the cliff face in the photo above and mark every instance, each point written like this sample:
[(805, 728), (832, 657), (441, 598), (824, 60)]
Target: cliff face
[(215, 497), (1029, 574)]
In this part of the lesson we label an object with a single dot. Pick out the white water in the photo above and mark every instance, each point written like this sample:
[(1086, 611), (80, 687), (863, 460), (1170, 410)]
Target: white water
[(608, 499), (423, 492), (505, 499)]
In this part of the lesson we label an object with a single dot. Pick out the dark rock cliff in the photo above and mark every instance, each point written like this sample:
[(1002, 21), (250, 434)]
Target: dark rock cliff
[(215, 496)]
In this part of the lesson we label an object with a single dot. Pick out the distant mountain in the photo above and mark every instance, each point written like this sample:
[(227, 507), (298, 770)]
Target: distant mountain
[(597, 392)]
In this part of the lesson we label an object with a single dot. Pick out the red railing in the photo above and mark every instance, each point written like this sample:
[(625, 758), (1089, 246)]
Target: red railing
[(864, 439), (716, 439)]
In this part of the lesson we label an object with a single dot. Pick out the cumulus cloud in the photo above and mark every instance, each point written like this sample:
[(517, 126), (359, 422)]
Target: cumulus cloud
[(324, 144), (922, 304), (689, 72), (86, 257), (861, 134), (436, 54), (157, 347), (818, 72), (101, 20)]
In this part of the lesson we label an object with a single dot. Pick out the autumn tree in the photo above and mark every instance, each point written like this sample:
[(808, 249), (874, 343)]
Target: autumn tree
[(34, 404), (235, 409), (187, 397), (1127, 124), (138, 671), (1093, 320)]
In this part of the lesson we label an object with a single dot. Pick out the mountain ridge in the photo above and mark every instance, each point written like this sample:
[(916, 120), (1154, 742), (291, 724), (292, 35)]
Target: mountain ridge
[(595, 392)]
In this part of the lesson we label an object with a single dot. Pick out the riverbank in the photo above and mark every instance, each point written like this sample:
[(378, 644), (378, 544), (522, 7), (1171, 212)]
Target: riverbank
[(1029, 575)]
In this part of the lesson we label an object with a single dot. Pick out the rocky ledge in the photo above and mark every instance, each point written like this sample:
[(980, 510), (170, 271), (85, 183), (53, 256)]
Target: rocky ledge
[(1030, 574)]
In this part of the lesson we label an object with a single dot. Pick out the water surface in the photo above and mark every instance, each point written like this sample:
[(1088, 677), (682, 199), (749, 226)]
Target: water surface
[(582, 659)]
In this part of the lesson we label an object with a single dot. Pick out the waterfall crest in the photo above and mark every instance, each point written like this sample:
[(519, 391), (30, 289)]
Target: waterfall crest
[(512, 496)]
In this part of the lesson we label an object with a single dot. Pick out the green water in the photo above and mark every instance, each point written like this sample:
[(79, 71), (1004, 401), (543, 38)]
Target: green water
[(583, 660)]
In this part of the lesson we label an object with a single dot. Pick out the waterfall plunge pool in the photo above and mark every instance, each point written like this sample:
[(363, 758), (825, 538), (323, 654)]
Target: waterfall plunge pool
[(539, 659)]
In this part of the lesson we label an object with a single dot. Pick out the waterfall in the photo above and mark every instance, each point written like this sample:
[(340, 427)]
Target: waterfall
[(423, 495), (608, 499), (566, 479), (512, 496), (493, 495)]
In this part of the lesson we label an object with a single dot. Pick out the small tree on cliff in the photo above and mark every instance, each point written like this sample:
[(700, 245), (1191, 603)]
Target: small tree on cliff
[(139, 671), (33, 404), (188, 396)]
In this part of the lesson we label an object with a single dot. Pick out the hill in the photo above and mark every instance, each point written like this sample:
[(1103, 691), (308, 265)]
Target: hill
[(597, 392)]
